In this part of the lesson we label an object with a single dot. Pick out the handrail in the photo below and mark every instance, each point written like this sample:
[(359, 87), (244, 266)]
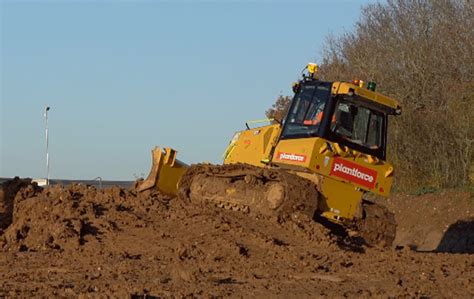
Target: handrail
[(258, 121)]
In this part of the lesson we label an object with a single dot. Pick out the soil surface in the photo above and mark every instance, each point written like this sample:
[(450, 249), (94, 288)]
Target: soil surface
[(441, 221), (77, 241)]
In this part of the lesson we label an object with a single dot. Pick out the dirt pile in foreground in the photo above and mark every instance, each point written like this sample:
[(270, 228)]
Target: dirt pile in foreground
[(8, 192), (66, 218), (77, 240)]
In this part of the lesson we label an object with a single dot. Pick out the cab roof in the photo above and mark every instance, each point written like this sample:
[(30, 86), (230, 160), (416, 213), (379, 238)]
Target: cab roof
[(349, 88)]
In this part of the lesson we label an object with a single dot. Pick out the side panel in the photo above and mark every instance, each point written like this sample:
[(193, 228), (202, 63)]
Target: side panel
[(336, 162), (253, 146), (298, 152)]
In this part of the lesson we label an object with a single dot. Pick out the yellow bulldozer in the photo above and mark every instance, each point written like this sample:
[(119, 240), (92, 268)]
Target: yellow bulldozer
[(319, 160)]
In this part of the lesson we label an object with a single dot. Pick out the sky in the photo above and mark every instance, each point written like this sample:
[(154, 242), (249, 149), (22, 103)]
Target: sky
[(124, 76)]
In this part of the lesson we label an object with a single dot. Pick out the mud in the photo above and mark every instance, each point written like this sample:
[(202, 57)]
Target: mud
[(442, 221), (8, 192), (79, 241), (378, 228)]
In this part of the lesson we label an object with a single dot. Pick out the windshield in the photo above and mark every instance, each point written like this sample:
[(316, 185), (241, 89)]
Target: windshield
[(306, 113), (358, 124)]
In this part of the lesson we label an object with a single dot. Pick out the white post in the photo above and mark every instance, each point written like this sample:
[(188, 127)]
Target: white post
[(47, 144)]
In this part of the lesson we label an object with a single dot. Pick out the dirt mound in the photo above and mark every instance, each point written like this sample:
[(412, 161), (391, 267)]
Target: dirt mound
[(442, 221), (77, 240), (65, 218), (8, 191)]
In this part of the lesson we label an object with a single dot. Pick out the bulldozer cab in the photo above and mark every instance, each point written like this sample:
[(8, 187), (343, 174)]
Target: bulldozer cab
[(348, 119)]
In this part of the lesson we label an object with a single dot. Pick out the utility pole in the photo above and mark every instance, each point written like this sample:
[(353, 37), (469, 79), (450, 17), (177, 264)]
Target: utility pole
[(47, 143)]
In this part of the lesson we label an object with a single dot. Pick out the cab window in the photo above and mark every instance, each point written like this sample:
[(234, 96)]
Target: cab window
[(358, 124), (305, 115)]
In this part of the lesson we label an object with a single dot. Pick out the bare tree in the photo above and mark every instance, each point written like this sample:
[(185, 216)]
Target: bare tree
[(279, 108)]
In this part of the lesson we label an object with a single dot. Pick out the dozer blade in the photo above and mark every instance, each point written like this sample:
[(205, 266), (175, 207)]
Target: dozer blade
[(165, 173)]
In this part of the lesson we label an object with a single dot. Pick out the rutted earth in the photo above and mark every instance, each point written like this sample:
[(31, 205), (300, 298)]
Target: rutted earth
[(79, 241)]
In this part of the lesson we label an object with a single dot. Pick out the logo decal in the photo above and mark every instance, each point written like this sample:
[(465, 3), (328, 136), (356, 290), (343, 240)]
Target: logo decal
[(354, 172), (291, 157)]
